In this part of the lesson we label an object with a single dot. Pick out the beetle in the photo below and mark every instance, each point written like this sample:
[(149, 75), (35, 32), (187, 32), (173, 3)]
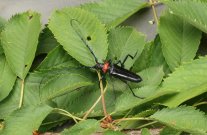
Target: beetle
[(112, 69)]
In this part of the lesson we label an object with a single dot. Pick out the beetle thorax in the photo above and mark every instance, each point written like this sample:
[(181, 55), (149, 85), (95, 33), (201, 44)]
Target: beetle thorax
[(105, 67)]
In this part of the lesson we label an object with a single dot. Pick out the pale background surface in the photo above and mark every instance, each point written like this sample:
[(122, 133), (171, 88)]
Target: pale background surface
[(45, 7)]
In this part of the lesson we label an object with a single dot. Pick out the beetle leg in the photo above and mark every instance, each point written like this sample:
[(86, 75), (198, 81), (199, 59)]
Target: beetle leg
[(128, 55), (131, 89)]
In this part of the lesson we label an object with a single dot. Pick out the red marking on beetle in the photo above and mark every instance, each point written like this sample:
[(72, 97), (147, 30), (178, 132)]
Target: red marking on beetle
[(105, 67)]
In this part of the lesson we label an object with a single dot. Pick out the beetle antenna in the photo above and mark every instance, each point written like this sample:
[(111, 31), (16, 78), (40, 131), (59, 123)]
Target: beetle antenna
[(72, 21)]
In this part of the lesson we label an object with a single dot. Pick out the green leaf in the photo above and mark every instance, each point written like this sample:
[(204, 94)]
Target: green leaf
[(2, 23), (143, 61), (184, 118), (180, 40), (26, 120), (47, 42), (33, 83), (151, 56), (157, 58), (127, 101), (75, 102), (112, 13), (111, 132), (125, 41), (74, 28), (1, 50), (191, 11), (145, 131), (35, 88), (61, 75), (57, 59), (62, 83), (188, 80), (142, 112), (7, 78), (19, 41), (86, 127), (168, 130), (31, 94), (151, 76)]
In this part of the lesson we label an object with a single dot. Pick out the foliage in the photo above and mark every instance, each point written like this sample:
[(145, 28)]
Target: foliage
[(84, 127), (183, 118), (112, 13), (145, 131), (7, 78), (77, 23), (64, 85), (15, 37), (32, 115), (180, 40)]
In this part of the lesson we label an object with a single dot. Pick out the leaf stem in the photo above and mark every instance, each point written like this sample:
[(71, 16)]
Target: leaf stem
[(94, 105), (66, 113), (130, 119), (102, 94), (53, 122), (150, 123), (153, 2), (21, 94), (200, 103)]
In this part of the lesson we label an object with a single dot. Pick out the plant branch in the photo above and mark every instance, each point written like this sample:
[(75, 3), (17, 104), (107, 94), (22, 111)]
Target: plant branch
[(94, 105), (66, 113), (53, 122), (102, 94), (21, 94), (152, 3), (130, 119), (200, 103), (150, 123)]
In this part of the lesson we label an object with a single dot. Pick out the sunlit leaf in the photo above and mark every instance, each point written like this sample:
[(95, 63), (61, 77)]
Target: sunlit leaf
[(74, 28), (127, 101), (2, 24), (145, 131), (184, 118), (151, 56), (19, 41), (125, 41), (86, 127), (191, 11), (74, 102), (180, 40), (36, 89), (62, 83), (7, 78), (112, 13), (188, 80), (168, 130), (31, 95), (151, 76), (26, 120)]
